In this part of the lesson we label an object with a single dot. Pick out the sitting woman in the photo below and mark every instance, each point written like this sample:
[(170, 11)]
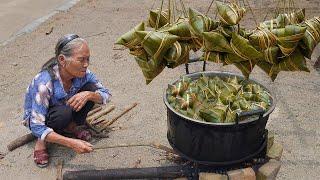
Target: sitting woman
[(60, 97)]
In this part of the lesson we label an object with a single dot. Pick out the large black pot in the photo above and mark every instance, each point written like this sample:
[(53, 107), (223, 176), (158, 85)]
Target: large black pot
[(217, 143)]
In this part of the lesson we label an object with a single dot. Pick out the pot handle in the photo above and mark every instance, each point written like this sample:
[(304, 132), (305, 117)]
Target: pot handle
[(259, 112)]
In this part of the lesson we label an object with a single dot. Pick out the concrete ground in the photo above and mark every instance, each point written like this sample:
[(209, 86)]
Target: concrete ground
[(15, 15), (294, 121)]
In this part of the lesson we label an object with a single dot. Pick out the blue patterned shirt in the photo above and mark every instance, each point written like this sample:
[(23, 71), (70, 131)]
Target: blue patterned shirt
[(45, 91)]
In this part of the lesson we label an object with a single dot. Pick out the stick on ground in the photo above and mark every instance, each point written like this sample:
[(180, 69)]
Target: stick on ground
[(94, 111), (59, 169), (108, 123), (100, 113), (153, 145), (20, 141)]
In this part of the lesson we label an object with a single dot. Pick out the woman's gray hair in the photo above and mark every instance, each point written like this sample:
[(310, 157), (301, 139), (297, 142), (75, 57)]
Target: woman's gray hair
[(67, 50)]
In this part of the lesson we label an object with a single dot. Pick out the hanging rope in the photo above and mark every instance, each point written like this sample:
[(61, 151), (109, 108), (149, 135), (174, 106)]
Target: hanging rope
[(209, 7), (183, 8), (159, 15)]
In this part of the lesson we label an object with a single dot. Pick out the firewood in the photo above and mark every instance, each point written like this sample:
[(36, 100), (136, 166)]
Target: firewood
[(20, 141), (59, 169), (94, 111), (108, 123), (100, 113)]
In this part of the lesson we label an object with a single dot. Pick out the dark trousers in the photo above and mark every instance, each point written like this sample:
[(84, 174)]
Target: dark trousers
[(60, 116)]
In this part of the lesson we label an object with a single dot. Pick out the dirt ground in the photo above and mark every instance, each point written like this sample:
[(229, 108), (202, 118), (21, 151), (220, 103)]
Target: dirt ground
[(294, 121)]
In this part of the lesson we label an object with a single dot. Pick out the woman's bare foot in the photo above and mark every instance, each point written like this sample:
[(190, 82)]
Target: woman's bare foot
[(78, 132), (40, 145)]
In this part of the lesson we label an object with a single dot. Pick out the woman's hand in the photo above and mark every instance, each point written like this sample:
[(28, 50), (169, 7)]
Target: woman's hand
[(77, 101), (81, 146)]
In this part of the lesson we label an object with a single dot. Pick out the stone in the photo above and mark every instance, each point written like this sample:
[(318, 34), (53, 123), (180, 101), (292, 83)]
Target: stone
[(249, 174), (275, 152), (269, 170), (242, 174), (236, 174), (212, 176)]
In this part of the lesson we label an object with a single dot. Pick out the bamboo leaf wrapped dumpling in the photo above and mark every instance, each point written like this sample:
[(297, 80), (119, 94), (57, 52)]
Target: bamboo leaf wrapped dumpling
[(271, 55), (214, 114), (262, 38), (242, 48), (294, 62), (311, 37), (129, 39), (156, 44), (227, 31), (289, 37), (164, 18), (150, 68), (267, 68), (178, 54), (139, 52), (245, 67), (181, 29), (200, 23), (229, 14), (291, 18), (214, 41)]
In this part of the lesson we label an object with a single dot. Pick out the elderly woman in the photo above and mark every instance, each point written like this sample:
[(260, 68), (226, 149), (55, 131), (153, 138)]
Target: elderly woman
[(60, 96)]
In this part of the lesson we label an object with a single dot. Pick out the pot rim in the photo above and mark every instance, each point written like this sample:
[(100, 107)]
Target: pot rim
[(220, 74)]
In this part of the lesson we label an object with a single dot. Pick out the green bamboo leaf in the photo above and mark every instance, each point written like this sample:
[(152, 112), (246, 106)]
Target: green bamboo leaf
[(200, 23), (130, 39), (243, 48), (214, 41), (156, 44), (164, 18), (229, 14)]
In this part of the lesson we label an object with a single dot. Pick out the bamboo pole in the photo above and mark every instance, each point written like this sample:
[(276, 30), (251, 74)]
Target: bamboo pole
[(100, 113), (94, 111), (105, 125), (168, 172)]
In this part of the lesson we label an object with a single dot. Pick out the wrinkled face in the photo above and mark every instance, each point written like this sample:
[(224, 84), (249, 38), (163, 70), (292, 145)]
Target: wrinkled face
[(77, 64)]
